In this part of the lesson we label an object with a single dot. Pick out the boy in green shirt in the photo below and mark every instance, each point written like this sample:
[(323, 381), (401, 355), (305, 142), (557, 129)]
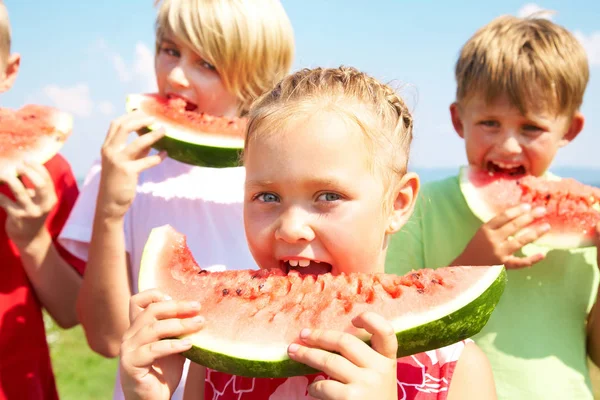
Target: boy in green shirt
[(520, 86)]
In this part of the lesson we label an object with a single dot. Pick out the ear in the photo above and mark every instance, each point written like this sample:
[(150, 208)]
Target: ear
[(574, 128), (456, 119), (404, 201), (10, 72)]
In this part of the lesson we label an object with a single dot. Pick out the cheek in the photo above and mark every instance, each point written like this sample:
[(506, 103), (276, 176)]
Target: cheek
[(258, 227)]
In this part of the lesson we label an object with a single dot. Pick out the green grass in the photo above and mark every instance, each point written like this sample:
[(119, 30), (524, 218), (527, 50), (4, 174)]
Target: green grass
[(80, 373)]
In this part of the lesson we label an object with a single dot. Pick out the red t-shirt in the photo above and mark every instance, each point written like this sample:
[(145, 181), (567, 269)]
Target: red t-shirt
[(424, 376), (25, 368)]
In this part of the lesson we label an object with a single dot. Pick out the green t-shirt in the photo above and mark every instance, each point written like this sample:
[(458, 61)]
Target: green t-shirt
[(535, 339)]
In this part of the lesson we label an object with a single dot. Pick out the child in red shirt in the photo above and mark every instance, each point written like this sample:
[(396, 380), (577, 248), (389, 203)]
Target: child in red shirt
[(36, 271)]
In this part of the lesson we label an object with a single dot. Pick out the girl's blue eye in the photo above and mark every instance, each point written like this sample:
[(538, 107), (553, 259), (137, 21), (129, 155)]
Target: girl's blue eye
[(329, 197), (267, 197)]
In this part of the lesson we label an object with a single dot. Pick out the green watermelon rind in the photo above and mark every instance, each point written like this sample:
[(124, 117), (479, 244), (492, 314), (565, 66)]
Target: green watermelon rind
[(454, 327), (188, 147), (484, 213), (456, 320)]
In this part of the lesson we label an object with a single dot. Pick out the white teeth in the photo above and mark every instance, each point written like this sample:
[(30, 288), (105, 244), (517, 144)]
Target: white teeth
[(293, 263), (506, 166), (304, 263), (318, 262)]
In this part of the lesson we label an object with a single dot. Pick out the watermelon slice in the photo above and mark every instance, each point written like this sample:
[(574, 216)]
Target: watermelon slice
[(572, 207), (253, 315), (192, 137), (34, 133)]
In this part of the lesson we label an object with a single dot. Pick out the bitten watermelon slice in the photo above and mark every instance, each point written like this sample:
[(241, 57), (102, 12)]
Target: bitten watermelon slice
[(253, 315), (572, 207), (34, 133), (192, 137)]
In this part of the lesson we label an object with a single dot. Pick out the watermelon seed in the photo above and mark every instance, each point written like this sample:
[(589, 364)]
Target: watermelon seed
[(547, 197), (435, 281), (238, 291), (416, 275), (420, 291), (261, 286), (202, 271), (225, 292)]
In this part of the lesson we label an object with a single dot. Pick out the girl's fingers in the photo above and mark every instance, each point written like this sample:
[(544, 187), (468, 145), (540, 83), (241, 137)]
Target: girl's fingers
[(142, 300), (142, 144), (349, 346), (124, 125), (148, 162), (144, 356), (334, 365), (327, 389), (163, 329), (165, 310), (383, 339)]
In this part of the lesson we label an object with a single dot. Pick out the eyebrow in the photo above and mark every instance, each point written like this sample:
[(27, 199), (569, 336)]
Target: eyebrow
[(328, 182)]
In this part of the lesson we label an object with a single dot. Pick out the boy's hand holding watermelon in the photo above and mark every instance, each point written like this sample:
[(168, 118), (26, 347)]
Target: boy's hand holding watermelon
[(27, 213), (499, 239)]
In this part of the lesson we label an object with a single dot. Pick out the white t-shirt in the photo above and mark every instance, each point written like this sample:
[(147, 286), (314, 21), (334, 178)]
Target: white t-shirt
[(205, 204)]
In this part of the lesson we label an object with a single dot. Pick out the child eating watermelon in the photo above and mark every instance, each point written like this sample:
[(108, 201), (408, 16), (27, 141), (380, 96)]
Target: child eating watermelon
[(326, 186), (217, 56), (520, 84), (37, 272)]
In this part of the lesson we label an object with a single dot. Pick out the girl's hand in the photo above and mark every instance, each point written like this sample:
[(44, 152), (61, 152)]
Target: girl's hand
[(122, 163), (357, 371), (498, 239), (26, 215), (150, 363)]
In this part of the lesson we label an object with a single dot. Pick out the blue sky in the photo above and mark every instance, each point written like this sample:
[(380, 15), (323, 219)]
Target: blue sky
[(85, 57)]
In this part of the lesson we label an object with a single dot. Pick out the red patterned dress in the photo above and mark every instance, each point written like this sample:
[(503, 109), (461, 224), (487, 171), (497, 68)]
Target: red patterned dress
[(423, 376)]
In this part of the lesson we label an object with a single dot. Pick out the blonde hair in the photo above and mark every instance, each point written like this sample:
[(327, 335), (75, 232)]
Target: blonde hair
[(250, 43), (375, 107), (536, 63), (5, 36)]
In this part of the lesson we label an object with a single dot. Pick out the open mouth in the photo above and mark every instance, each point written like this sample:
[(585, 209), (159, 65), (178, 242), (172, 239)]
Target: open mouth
[(187, 105), (305, 266), (505, 168)]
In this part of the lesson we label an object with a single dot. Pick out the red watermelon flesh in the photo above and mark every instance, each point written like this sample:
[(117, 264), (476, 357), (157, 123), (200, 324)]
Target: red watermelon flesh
[(34, 133), (178, 113), (192, 137), (253, 315), (572, 207)]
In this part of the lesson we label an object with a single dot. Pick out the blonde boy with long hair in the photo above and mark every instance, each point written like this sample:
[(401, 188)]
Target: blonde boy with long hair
[(218, 56), (520, 84)]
